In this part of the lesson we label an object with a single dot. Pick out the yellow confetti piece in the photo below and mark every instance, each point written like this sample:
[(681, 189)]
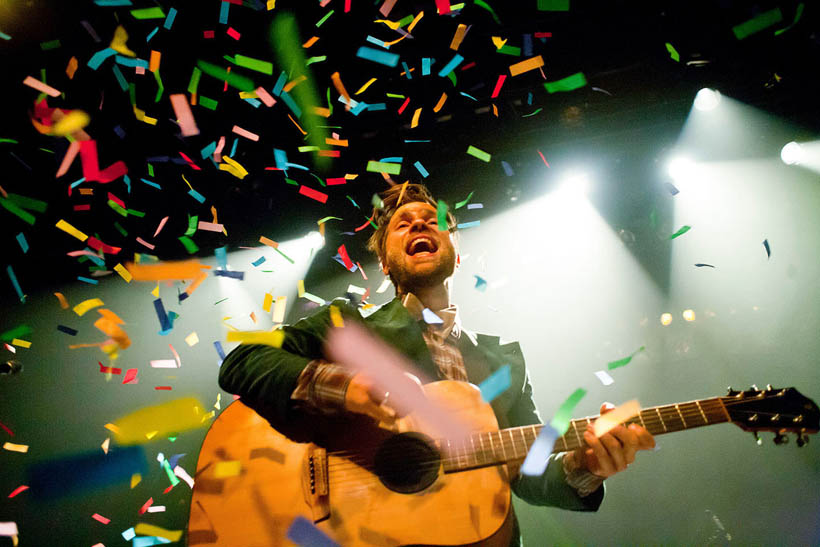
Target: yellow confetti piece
[(105, 444), (268, 338), (151, 434), (279, 309), (208, 416), (440, 102), (63, 301), (415, 121), (526, 65), (69, 229), (86, 305), (300, 287), (393, 25), (267, 302), (616, 416), (461, 31), (151, 530), (416, 20), (11, 447), (71, 122), (336, 317), (192, 339), (155, 292), (217, 404), (163, 420), (120, 269), (248, 95), (21, 343), (236, 165), (118, 42), (227, 469), (271, 4), (136, 478), (365, 86), (112, 428), (498, 42)]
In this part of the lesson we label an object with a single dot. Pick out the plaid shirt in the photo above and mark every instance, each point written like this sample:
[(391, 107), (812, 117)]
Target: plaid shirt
[(322, 385)]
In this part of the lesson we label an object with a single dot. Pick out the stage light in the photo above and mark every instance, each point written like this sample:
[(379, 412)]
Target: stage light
[(792, 154), (666, 319), (689, 315), (315, 240), (681, 168), (707, 99), (575, 185)]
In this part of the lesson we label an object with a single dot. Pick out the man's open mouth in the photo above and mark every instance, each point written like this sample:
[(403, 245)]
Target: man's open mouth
[(421, 244)]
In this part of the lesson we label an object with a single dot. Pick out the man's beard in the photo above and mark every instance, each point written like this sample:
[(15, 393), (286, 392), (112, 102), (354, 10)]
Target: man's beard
[(407, 281)]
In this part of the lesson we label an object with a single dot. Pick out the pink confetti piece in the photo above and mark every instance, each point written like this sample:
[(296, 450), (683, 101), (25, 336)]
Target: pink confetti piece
[(40, 86), (265, 97), (542, 157), (386, 7), (100, 518), (21, 488), (245, 133), (130, 376), (209, 226), (185, 117), (233, 34), (68, 159), (145, 243), (313, 194), (84, 252), (161, 226), (176, 356), (182, 474), (218, 152)]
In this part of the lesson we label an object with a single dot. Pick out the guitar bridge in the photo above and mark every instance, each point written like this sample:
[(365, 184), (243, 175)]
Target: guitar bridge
[(315, 483)]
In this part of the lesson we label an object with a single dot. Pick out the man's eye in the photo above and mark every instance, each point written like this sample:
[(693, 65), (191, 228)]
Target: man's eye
[(402, 224)]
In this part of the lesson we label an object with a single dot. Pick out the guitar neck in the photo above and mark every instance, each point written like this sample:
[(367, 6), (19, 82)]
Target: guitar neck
[(508, 445)]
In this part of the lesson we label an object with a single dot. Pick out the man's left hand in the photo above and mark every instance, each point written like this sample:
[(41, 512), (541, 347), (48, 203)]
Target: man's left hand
[(615, 450)]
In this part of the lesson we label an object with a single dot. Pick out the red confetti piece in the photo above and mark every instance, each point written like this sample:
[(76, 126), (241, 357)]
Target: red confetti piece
[(146, 505), (117, 200), (313, 194), (100, 518), (163, 388), (345, 258), (337, 180), (498, 85), (168, 489), (112, 370), (98, 245), (91, 166), (404, 105), (443, 7), (467, 66), (6, 429), (543, 35), (233, 34), (542, 157), (347, 6), (130, 376), (17, 490), (330, 153), (363, 226), (208, 33), (190, 161), (85, 207)]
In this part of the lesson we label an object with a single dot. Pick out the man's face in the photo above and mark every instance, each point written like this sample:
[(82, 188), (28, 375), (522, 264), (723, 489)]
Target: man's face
[(416, 253)]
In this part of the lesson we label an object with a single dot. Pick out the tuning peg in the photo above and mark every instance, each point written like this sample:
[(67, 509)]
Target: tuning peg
[(754, 387), (758, 440), (802, 439), (769, 387), (780, 438), (731, 392)]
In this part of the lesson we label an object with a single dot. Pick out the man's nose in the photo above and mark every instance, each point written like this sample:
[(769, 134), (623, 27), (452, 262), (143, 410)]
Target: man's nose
[(418, 224)]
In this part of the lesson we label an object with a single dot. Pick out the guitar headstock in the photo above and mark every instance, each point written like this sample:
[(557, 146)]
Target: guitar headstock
[(778, 410)]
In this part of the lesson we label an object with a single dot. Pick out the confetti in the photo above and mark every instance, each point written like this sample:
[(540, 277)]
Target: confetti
[(625, 361), (40, 86), (304, 532), (495, 384), (673, 53), (610, 420), (525, 66), (605, 378), (768, 249), (274, 338), (11, 447), (185, 117), (168, 418), (480, 154), (17, 490), (569, 83), (86, 305), (192, 339), (151, 530), (377, 56), (680, 232), (758, 23)]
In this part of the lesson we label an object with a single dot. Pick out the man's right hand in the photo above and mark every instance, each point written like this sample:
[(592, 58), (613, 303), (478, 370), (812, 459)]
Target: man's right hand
[(364, 397)]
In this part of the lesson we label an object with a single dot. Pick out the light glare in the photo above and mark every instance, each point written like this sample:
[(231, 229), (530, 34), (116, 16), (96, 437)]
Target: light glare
[(666, 319), (680, 168), (689, 315), (792, 154), (315, 240), (707, 99)]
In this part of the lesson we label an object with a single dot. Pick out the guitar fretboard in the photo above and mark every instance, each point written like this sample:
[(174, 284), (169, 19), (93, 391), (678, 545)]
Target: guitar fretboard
[(506, 445)]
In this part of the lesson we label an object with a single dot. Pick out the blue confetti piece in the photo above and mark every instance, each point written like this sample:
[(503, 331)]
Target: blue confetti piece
[(79, 182), (98, 58), (338, 258), (376, 41), (431, 318), (529, 99), (131, 63), (223, 13), (154, 184), (129, 534), (526, 45), (468, 96), (169, 19), (119, 131), (537, 458), (158, 159), (87, 280), (449, 67), (359, 108), (420, 168), (21, 239), (219, 350), (392, 159), (281, 158), (406, 70), (507, 169), (151, 34), (495, 384), (303, 532), (164, 323), (221, 257), (377, 106), (67, 330), (196, 195), (258, 261), (425, 66), (120, 78), (256, 103), (233, 146), (208, 150), (112, 3), (480, 283), (280, 83), (475, 206), (226, 273), (148, 541), (291, 104), (5, 36), (377, 56), (465, 225), (14, 282)]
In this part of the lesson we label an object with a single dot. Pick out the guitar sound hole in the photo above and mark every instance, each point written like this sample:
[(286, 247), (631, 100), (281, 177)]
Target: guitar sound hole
[(407, 462)]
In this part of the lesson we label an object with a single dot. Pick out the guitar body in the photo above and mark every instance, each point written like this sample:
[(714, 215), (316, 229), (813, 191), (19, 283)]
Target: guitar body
[(281, 480)]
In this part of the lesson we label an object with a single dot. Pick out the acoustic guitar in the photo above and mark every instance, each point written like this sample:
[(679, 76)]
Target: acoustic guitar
[(379, 487)]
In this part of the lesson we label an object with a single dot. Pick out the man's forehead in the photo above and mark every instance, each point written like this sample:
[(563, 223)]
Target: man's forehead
[(414, 207)]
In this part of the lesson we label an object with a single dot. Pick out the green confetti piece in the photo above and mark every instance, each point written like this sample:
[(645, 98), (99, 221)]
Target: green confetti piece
[(193, 222), (47, 150), (120, 229), (205, 102), (486, 6), (289, 259), (138, 214), (317, 59), (561, 418), (480, 154), (308, 148), (171, 477), (240, 82), (395, 96), (118, 208), (189, 244), (377, 201), (382, 167), (672, 52), (322, 221), (553, 5), (20, 331), (160, 87), (756, 24), (532, 113), (28, 203), (329, 104), (8, 140), (291, 181), (441, 213), (193, 83), (150, 170), (13, 208), (461, 204), (797, 15), (625, 361), (54, 44), (569, 83), (132, 93), (509, 50), (452, 77), (148, 13), (323, 19), (680, 232), (255, 64), (403, 22)]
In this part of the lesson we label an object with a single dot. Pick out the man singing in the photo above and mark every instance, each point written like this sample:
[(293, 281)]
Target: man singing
[(303, 396)]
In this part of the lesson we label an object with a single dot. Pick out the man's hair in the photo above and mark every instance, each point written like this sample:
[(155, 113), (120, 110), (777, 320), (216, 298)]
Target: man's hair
[(391, 203)]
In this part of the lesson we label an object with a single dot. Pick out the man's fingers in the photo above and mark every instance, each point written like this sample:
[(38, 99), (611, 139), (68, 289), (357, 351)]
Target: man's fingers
[(645, 438), (629, 441), (599, 462), (615, 450), (606, 407)]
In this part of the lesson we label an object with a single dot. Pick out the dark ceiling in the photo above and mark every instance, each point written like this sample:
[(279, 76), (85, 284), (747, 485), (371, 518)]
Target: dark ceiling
[(632, 108)]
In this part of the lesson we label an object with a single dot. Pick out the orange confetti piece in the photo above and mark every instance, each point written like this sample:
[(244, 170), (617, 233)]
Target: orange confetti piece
[(299, 127), (461, 31), (268, 242), (337, 83), (321, 111), (188, 269), (110, 328), (440, 102), (63, 301), (336, 142), (71, 68), (527, 65), (310, 42), (40, 86), (293, 83), (110, 315), (153, 64), (415, 121)]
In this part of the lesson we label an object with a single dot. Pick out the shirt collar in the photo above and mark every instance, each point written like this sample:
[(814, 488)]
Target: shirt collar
[(449, 315)]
